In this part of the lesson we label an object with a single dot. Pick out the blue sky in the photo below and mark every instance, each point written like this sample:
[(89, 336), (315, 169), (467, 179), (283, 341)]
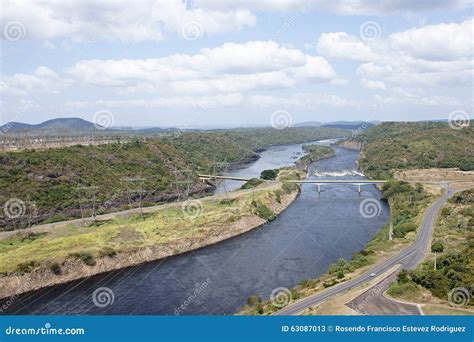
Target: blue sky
[(221, 64)]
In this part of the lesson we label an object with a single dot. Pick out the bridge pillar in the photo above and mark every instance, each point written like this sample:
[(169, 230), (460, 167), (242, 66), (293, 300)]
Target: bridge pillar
[(319, 188), (359, 188)]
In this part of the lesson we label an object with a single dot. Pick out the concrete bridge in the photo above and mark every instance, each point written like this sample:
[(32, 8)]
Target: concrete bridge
[(317, 182)]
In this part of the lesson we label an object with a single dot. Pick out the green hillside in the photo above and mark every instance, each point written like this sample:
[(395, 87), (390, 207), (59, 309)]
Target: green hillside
[(54, 184), (415, 145)]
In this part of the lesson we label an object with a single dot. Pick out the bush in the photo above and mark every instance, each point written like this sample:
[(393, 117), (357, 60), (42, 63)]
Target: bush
[(55, 268), (437, 247), (288, 188), (85, 257), (278, 194), (263, 211), (108, 251), (252, 183), (269, 174), (27, 267)]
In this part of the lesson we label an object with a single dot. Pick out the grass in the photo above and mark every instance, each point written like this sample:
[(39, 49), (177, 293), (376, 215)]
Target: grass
[(24, 253), (433, 310)]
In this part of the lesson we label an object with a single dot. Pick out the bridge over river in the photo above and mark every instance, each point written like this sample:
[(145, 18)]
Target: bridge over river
[(317, 182)]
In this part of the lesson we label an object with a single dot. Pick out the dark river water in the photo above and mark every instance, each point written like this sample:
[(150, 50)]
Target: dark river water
[(315, 231)]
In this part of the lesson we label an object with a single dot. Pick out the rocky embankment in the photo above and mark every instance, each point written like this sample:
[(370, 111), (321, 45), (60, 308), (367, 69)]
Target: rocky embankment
[(351, 144)]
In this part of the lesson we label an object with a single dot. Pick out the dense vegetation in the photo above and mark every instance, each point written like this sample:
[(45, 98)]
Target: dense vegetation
[(415, 145), (57, 184), (407, 203), (314, 153), (454, 245)]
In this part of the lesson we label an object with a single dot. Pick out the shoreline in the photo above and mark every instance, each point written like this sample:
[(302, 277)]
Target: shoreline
[(16, 284)]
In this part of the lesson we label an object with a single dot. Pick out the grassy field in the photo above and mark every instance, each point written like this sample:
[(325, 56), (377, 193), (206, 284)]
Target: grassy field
[(195, 219)]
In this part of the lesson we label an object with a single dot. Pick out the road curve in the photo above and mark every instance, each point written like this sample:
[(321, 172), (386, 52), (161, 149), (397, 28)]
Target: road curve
[(409, 258)]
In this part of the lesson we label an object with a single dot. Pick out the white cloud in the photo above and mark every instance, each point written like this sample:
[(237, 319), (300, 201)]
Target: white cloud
[(42, 80), (443, 42), (88, 21), (343, 45), (229, 68), (433, 56), (372, 84), (344, 7)]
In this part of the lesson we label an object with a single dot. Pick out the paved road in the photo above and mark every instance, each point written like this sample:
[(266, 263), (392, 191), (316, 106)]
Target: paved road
[(409, 258), (373, 302)]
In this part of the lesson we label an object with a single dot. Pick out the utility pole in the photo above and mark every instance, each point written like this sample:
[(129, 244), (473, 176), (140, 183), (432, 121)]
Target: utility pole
[(87, 194), (135, 189), (390, 232), (435, 261), (221, 168), (179, 183)]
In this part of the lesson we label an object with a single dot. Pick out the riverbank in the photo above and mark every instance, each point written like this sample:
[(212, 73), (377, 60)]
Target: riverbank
[(68, 253)]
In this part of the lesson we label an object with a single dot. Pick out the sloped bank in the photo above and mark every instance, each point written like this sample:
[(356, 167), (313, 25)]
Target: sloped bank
[(14, 283)]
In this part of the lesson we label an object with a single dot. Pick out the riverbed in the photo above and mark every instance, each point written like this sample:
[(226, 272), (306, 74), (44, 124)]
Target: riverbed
[(315, 231)]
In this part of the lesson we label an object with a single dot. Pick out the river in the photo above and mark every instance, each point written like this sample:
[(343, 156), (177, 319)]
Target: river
[(315, 231)]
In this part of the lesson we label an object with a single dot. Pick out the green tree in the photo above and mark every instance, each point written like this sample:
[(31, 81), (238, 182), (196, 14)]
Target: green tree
[(437, 247)]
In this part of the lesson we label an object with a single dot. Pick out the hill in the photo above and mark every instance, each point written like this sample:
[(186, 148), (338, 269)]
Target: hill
[(53, 124), (57, 184), (399, 145), (351, 125)]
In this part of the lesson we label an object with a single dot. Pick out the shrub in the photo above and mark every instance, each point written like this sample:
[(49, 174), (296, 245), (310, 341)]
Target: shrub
[(437, 247), (252, 183), (262, 211), (278, 194), (55, 268), (27, 267), (108, 251), (288, 188), (269, 174), (85, 257)]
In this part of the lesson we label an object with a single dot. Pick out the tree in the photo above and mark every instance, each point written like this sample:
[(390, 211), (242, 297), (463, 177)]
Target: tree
[(437, 247), (269, 174)]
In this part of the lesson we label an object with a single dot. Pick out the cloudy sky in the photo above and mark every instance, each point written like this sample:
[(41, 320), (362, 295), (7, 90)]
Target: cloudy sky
[(220, 63)]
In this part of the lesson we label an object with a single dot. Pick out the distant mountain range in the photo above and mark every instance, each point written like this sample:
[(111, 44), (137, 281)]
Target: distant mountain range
[(74, 125), (54, 124), (338, 124)]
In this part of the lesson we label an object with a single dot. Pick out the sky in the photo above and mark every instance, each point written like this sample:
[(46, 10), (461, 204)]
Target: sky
[(197, 64)]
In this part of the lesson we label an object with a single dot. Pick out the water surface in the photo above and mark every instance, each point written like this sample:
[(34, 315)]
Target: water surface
[(315, 231)]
